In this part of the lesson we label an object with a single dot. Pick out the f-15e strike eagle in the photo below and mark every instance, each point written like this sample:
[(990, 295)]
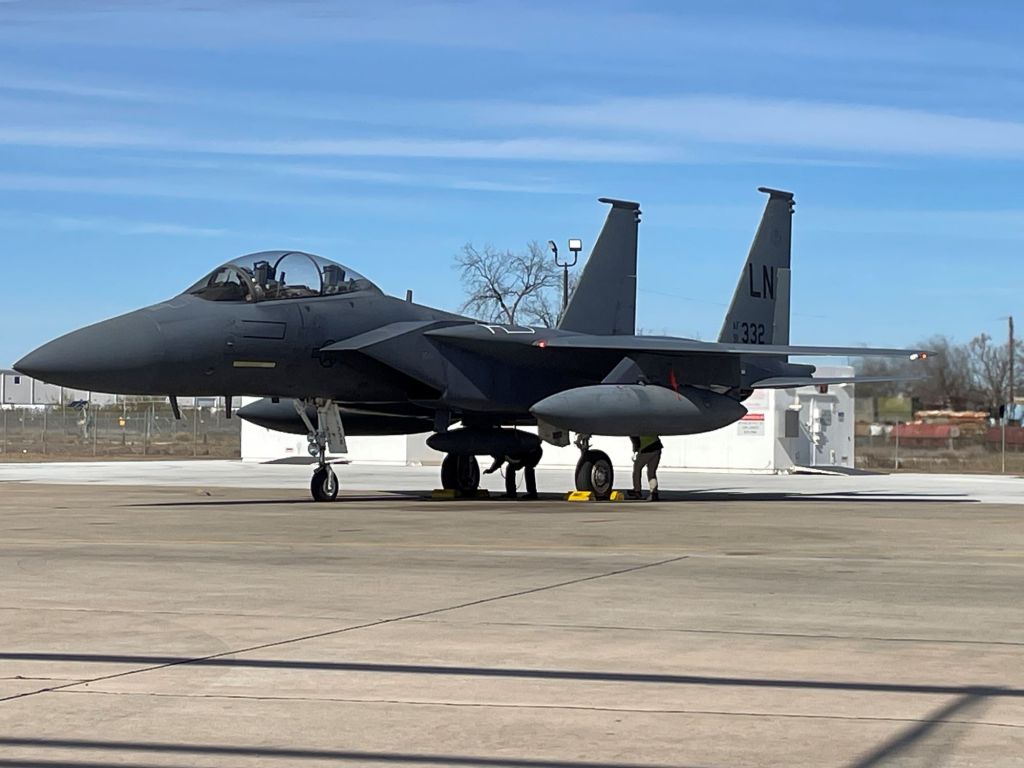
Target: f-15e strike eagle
[(331, 355)]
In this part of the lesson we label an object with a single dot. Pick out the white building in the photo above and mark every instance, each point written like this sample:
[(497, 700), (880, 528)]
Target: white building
[(19, 390), (783, 429)]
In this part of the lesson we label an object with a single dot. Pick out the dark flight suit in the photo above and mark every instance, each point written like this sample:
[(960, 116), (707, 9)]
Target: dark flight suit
[(527, 463), (648, 454)]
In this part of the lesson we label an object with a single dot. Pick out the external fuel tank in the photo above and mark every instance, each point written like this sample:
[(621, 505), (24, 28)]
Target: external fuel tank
[(638, 409)]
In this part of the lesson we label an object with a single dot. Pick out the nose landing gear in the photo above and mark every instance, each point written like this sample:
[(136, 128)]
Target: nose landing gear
[(324, 484), (328, 432), (594, 471)]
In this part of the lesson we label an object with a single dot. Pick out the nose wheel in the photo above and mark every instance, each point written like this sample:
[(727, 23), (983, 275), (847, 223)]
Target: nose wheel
[(324, 485)]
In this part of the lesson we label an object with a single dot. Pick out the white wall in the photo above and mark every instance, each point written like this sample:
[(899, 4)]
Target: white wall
[(757, 443), (261, 444)]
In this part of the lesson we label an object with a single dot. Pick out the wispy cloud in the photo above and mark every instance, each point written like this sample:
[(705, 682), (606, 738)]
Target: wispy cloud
[(946, 223), (549, 149), (76, 88), (678, 121), (530, 185), (129, 227), (575, 30), (555, 149), (235, 182), (688, 128), (952, 223), (202, 189)]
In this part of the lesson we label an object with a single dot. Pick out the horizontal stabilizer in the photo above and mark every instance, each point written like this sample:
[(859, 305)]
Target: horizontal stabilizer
[(791, 382), (671, 345)]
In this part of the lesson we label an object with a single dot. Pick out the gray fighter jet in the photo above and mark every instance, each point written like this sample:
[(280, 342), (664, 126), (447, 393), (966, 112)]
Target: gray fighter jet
[(332, 355)]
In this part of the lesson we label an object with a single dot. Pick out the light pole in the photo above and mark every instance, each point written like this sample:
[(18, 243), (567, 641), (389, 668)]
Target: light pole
[(575, 246)]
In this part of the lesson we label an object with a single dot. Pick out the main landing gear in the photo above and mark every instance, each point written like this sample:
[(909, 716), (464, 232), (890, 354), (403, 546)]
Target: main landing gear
[(460, 472), (328, 433), (594, 470)]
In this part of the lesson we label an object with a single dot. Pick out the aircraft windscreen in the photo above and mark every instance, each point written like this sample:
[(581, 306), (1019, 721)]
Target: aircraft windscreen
[(276, 275)]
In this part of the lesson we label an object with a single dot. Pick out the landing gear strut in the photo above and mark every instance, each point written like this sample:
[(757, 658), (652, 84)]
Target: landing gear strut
[(460, 472), (327, 432), (594, 470)]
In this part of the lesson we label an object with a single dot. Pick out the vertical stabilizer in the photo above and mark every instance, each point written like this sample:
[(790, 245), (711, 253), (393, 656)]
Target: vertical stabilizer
[(759, 312), (604, 301)]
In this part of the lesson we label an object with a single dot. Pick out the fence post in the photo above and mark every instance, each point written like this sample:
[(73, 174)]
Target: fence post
[(95, 428), (896, 458), (195, 430), (5, 430), (1002, 469), (45, 411)]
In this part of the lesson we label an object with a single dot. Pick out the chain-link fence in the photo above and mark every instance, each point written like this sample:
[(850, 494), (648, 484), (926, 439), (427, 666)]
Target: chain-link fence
[(901, 447), (149, 429), (122, 430)]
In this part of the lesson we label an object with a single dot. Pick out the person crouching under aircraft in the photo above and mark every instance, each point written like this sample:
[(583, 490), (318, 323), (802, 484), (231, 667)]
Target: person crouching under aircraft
[(528, 463), (646, 453)]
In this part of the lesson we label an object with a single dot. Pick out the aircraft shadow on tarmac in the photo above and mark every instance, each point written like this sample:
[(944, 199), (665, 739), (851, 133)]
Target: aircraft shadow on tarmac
[(727, 494), (282, 753), (667, 497), (342, 500), (925, 742)]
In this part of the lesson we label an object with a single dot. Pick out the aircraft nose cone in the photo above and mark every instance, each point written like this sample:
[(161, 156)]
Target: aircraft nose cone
[(118, 355)]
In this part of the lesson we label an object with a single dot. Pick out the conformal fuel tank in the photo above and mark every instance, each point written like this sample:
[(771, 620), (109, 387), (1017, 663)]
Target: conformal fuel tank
[(636, 409), (282, 417)]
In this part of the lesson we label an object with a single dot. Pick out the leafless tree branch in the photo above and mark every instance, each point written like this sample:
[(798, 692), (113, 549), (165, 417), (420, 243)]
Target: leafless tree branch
[(507, 287)]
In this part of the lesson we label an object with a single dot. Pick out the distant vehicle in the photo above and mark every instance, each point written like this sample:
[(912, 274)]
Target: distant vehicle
[(333, 355)]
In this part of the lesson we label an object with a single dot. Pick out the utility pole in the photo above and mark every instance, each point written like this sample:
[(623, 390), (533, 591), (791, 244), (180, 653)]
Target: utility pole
[(1011, 351)]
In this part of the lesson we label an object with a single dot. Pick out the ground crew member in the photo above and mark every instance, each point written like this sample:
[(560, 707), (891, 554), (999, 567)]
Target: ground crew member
[(527, 463), (647, 453)]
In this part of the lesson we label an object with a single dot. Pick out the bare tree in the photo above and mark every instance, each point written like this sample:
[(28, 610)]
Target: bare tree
[(948, 380), (990, 366), (506, 287), (958, 376), (881, 366), (945, 380)]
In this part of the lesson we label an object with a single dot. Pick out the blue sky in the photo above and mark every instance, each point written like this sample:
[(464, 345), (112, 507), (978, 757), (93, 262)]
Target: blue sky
[(143, 143)]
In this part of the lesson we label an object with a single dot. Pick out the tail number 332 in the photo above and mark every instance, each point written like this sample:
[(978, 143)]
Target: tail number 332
[(749, 333)]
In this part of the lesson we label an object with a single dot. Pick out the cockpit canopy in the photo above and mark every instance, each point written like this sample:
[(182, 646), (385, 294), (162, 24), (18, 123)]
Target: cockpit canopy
[(276, 275)]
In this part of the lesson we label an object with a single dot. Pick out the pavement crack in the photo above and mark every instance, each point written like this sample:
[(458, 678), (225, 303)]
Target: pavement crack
[(573, 707), (355, 627), (41, 678), (752, 633)]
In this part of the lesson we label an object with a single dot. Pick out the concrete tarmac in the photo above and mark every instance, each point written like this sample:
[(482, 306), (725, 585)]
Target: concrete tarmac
[(196, 625)]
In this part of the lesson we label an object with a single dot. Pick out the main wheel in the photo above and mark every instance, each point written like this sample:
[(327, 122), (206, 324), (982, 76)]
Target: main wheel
[(594, 473), (324, 485), (460, 473)]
